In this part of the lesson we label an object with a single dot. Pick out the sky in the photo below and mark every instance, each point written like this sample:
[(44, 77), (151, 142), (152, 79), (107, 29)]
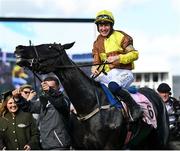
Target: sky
[(154, 26)]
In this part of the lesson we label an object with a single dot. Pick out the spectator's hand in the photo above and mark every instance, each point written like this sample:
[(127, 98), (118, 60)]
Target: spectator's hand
[(45, 86), (31, 95), (94, 70), (27, 148), (16, 93)]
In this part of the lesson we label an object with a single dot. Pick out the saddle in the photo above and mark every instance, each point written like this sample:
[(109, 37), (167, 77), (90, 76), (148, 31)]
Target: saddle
[(144, 103)]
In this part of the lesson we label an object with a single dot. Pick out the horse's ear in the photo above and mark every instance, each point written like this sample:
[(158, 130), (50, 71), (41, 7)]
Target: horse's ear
[(68, 46)]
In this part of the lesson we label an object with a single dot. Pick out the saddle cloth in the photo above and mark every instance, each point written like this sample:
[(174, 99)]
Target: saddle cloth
[(147, 107), (149, 116)]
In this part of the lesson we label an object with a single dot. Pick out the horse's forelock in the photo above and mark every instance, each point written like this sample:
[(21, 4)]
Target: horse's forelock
[(19, 47)]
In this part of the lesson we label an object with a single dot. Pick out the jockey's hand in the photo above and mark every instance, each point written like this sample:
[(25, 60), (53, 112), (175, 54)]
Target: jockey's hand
[(113, 59), (94, 70)]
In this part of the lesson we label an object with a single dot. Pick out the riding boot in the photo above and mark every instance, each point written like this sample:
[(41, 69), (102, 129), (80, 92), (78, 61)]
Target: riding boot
[(135, 110)]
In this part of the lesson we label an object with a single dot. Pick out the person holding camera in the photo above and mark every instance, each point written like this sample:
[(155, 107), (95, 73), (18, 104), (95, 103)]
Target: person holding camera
[(53, 108), (24, 92)]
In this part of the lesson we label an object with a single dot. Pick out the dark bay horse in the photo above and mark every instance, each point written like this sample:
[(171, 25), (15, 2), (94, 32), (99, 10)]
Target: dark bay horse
[(97, 124)]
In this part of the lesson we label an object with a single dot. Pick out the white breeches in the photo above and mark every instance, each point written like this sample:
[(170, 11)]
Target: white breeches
[(121, 76)]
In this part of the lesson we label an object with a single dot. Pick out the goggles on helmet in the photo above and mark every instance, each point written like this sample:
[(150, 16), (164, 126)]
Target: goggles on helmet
[(103, 18)]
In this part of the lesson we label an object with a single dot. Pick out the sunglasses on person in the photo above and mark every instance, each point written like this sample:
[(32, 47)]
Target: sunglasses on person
[(26, 92)]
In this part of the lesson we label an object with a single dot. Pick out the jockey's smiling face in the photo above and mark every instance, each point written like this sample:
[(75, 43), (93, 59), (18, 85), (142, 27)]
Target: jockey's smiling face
[(104, 28)]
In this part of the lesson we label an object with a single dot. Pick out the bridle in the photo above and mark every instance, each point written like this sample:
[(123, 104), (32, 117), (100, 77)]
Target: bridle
[(35, 62)]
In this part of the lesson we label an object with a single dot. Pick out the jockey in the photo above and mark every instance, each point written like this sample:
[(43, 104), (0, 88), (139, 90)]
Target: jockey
[(116, 48)]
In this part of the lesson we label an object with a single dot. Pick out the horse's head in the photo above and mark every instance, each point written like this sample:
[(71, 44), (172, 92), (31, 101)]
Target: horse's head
[(40, 58)]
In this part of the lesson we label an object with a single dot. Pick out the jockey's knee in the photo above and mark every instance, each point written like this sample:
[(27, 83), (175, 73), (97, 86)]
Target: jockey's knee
[(114, 87)]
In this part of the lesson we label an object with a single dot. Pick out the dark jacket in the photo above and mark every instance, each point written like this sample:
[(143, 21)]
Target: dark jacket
[(54, 110), (1, 142), (19, 131), (173, 108), (174, 103)]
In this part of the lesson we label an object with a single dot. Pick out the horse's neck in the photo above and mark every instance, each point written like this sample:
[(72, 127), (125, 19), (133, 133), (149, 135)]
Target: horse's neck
[(79, 88)]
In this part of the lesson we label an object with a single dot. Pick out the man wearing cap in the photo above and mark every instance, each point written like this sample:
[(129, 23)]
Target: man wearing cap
[(172, 105), (116, 48), (53, 108), (25, 92)]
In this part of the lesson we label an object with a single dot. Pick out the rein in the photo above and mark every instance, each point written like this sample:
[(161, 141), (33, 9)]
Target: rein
[(83, 65), (36, 61), (68, 66)]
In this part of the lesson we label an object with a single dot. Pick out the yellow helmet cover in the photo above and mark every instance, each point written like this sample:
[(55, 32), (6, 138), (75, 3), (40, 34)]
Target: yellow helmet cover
[(104, 15)]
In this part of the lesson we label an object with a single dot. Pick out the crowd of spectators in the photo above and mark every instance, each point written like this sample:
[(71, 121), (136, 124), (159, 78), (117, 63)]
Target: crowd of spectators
[(19, 129), (13, 76), (6, 77), (50, 108)]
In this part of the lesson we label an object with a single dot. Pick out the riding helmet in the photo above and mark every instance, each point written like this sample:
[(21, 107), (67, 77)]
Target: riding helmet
[(104, 16)]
